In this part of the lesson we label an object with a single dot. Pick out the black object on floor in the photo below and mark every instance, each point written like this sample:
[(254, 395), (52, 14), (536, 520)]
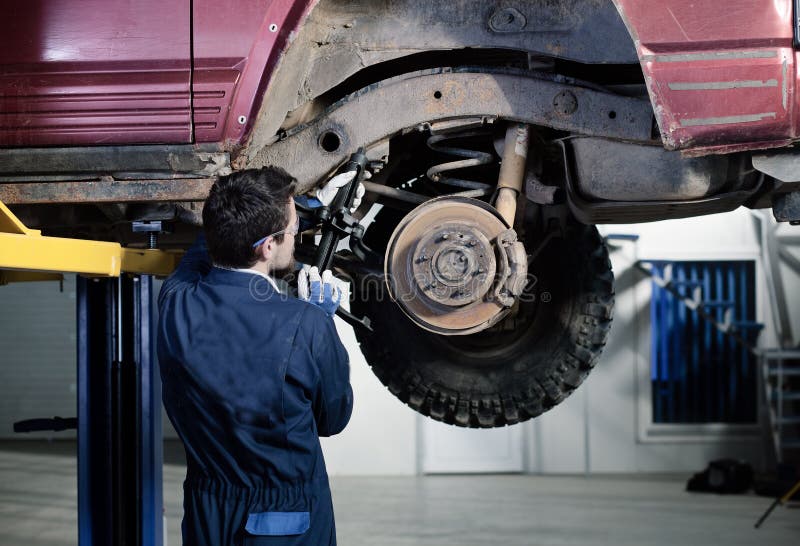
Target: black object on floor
[(725, 476), (56, 424)]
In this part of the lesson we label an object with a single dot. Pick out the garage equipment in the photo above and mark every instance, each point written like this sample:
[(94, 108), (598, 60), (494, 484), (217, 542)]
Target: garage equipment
[(27, 250), (119, 414), (336, 220), (780, 500), (56, 424), (337, 223), (780, 365), (119, 388)]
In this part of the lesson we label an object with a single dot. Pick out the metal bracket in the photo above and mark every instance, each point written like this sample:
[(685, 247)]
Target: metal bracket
[(25, 249), (786, 207), (7, 277)]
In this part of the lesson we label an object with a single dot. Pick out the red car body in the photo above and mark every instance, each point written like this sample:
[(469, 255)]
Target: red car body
[(721, 75), (114, 72)]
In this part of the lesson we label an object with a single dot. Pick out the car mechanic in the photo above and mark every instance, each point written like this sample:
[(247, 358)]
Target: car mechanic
[(252, 377)]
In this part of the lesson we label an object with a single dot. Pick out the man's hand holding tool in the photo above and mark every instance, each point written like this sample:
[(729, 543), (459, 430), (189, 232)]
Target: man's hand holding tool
[(321, 290)]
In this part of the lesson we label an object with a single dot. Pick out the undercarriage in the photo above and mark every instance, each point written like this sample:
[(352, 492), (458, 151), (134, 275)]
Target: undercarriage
[(488, 290), (494, 149)]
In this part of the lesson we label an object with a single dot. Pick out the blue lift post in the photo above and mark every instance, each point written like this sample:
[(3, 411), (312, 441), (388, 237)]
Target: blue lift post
[(119, 414)]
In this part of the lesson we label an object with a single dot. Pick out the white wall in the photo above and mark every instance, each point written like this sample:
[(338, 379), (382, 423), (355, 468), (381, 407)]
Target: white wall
[(791, 277), (381, 438), (38, 373)]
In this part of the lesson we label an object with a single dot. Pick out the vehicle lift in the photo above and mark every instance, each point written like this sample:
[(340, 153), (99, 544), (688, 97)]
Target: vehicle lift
[(119, 387)]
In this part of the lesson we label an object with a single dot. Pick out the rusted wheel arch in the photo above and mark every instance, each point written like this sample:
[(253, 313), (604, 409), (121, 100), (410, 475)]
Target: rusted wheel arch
[(370, 116)]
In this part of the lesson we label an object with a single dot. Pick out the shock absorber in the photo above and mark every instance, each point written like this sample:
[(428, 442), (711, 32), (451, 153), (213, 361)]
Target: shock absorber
[(472, 158), (512, 170)]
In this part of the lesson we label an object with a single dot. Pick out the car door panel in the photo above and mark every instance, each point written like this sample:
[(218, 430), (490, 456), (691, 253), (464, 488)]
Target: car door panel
[(95, 72)]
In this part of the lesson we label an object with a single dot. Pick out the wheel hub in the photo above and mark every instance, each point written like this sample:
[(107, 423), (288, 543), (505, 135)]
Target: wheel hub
[(442, 265), (454, 264)]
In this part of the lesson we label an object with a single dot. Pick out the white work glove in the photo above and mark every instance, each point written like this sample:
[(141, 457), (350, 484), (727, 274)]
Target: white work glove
[(323, 291), (327, 192)]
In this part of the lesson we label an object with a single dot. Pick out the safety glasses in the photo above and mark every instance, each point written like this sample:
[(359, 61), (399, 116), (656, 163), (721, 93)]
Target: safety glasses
[(291, 231)]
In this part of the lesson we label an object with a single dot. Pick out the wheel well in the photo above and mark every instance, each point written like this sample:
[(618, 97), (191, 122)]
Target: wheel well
[(627, 77), (344, 46)]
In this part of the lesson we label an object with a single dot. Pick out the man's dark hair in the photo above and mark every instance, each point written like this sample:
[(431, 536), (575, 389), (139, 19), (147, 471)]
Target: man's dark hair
[(242, 208)]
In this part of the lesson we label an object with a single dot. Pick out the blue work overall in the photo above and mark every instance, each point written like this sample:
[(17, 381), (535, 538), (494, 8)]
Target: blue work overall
[(251, 379)]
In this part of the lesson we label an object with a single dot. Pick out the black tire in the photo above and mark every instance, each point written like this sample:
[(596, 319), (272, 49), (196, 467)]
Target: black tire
[(520, 368)]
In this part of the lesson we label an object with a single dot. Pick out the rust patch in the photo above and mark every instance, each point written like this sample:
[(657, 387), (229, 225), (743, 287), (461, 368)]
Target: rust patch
[(555, 48), (450, 95), (486, 90), (731, 148), (105, 191)]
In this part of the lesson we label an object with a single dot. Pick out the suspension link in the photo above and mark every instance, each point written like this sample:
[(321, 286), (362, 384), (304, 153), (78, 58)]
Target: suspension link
[(512, 171)]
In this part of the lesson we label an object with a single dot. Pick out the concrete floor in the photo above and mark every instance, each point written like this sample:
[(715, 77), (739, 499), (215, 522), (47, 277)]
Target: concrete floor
[(38, 508)]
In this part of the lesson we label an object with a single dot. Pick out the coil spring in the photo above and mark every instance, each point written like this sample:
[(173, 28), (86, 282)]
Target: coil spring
[(473, 158)]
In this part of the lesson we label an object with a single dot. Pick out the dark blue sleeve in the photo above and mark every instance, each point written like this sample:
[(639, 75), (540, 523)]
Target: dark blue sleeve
[(308, 203), (194, 265), (333, 401)]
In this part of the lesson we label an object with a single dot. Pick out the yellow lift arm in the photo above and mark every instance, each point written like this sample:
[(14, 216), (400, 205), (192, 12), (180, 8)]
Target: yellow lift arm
[(31, 256)]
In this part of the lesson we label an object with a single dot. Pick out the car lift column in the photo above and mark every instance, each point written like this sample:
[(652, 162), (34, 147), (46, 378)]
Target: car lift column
[(119, 414)]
